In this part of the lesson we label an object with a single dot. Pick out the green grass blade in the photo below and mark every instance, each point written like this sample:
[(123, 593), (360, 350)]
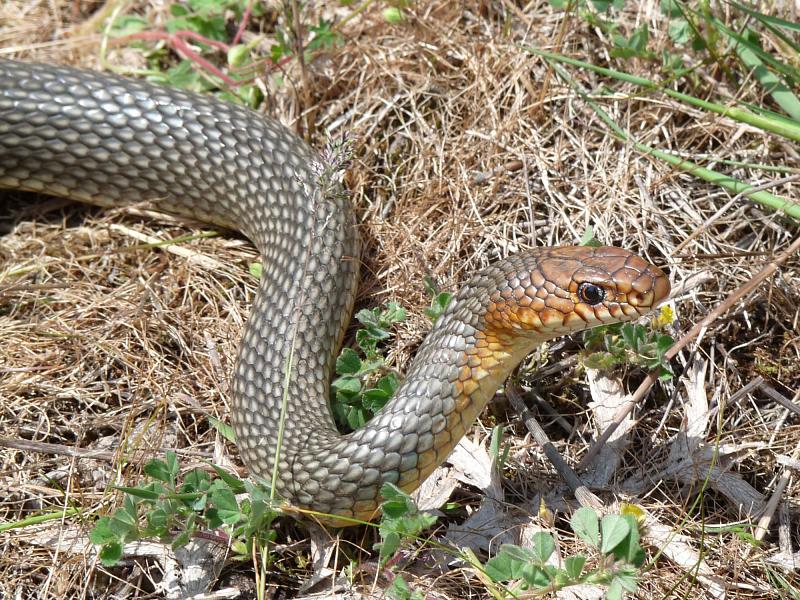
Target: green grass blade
[(781, 127), (39, 519), (737, 39), (767, 19), (729, 183), (758, 61)]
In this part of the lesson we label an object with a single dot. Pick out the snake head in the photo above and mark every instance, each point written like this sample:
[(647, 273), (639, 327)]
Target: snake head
[(555, 291)]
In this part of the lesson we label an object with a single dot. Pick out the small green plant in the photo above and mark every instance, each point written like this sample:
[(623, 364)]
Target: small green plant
[(322, 36), (364, 384), (400, 590), (439, 299), (597, 13), (498, 454), (610, 346), (401, 521), (198, 31), (174, 511), (614, 541)]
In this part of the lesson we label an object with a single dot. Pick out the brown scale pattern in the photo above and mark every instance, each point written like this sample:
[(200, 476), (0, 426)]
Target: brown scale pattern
[(108, 140)]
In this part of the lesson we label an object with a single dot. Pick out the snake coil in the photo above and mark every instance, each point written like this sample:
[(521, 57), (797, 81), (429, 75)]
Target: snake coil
[(108, 140)]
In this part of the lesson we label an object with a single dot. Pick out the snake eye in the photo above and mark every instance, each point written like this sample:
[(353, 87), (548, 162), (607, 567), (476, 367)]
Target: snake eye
[(591, 293)]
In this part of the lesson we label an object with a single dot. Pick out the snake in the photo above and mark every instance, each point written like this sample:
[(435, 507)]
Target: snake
[(109, 140)]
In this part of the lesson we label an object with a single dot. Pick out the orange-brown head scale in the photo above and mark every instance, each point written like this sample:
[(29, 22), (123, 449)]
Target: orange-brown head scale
[(567, 289)]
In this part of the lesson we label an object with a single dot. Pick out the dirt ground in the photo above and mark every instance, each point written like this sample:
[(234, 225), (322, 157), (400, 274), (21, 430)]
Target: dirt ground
[(467, 147)]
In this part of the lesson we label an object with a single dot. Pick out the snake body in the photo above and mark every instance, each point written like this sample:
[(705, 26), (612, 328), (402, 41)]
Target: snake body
[(109, 140)]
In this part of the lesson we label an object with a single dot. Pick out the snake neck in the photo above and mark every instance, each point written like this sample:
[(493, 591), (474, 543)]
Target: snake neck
[(459, 367)]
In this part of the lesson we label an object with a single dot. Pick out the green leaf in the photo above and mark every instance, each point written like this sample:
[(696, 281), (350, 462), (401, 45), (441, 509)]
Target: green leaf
[(638, 40), (323, 36), (213, 518), (367, 342), (370, 320), (158, 469), (754, 58), (183, 76), (223, 428), (375, 399), (627, 581), (348, 362), (430, 285), (173, 466), (615, 591), (390, 542), (180, 540), (221, 496), (393, 15), (396, 502), (438, 305), (159, 519), (400, 520), (584, 524), (613, 529), (536, 575), (394, 313), (200, 503), (208, 8), (355, 418), (542, 546), (509, 563), (346, 387), (256, 269), (370, 365), (101, 532), (671, 8), (680, 31), (122, 526), (602, 5), (498, 453), (636, 45), (629, 549), (251, 95), (128, 24), (140, 492), (389, 383), (588, 239), (110, 554), (672, 63), (399, 589), (195, 480), (503, 567), (239, 547), (211, 27), (279, 51), (574, 566), (236, 484)]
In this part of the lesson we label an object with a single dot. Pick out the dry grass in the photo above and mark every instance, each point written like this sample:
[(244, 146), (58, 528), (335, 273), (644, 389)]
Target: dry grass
[(467, 149)]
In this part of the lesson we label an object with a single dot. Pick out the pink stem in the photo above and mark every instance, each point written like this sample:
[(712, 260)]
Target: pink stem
[(243, 24), (176, 40)]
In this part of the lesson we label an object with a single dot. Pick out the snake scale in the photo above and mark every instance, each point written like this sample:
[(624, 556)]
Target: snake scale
[(109, 140)]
